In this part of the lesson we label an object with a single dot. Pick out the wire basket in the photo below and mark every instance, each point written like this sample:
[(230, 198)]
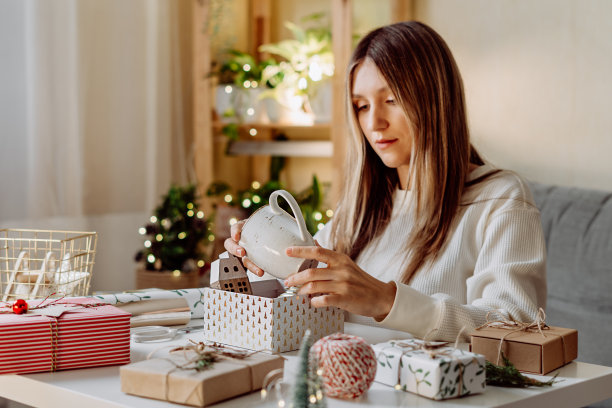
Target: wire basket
[(35, 264)]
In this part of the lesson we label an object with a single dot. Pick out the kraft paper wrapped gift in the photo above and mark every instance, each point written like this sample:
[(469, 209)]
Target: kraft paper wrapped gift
[(531, 351), (264, 321), (162, 379), (438, 373), (69, 336)]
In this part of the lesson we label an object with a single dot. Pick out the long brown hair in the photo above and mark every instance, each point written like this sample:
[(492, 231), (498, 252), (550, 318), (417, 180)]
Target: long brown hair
[(423, 76)]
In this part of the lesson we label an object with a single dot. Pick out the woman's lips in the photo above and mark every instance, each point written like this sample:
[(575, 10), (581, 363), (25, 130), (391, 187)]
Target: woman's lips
[(383, 144)]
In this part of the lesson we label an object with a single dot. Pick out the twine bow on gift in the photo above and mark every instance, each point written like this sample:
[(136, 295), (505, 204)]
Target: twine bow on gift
[(514, 326), (205, 356)]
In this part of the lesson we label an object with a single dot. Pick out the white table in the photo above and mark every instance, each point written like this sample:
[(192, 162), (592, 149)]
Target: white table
[(580, 384)]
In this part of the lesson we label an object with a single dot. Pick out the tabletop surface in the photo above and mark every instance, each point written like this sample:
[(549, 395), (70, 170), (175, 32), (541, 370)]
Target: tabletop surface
[(578, 384)]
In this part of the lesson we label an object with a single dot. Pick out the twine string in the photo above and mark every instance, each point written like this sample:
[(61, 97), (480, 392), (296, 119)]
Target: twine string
[(53, 325), (209, 352), (433, 350), (50, 302), (514, 326), (348, 363)]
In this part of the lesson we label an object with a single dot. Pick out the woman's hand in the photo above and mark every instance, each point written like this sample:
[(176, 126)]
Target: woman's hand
[(342, 283), (232, 246)]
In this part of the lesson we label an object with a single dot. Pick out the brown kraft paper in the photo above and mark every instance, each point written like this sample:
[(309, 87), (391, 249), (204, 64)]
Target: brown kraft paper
[(529, 351), (160, 378)]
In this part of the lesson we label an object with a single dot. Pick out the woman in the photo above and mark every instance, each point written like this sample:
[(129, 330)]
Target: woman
[(427, 238)]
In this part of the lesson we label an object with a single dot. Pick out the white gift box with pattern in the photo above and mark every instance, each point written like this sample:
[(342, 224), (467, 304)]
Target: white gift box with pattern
[(263, 321), (436, 373)]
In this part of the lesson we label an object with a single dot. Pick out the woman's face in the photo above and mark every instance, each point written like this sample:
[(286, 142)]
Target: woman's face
[(382, 119)]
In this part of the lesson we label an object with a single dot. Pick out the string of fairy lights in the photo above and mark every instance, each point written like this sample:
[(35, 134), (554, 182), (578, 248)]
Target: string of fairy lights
[(186, 227), (256, 199)]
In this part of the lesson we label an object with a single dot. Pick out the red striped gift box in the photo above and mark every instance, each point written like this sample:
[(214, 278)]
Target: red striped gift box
[(81, 337)]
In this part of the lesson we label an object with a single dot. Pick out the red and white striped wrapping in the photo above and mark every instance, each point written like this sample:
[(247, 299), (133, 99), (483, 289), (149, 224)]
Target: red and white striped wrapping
[(79, 338)]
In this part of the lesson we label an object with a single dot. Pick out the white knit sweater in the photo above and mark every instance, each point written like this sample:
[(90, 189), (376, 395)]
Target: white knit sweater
[(494, 260)]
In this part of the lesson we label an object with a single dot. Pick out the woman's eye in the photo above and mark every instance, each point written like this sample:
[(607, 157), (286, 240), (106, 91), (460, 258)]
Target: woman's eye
[(361, 108), (391, 101)]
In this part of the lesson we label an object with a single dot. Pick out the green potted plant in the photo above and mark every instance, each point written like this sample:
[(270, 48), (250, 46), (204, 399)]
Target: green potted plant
[(177, 236), (303, 74), (237, 95)]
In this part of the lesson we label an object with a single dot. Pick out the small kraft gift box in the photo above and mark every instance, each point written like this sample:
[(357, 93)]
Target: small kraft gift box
[(429, 369), (265, 320), (62, 334), (532, 347), (198, 377)]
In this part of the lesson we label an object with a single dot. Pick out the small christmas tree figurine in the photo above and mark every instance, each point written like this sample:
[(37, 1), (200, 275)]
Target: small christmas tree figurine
[(176, 234), (308, 389)]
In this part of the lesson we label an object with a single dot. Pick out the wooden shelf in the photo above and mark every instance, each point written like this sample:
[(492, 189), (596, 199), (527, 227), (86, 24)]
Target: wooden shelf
[(274, 126), (206, 128), (289, 148)]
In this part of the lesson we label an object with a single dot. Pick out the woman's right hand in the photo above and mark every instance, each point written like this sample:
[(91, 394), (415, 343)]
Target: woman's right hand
[(232, 246)]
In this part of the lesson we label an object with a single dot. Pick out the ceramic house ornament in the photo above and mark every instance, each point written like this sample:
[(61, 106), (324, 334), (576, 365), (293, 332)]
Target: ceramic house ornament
[(227, 273)]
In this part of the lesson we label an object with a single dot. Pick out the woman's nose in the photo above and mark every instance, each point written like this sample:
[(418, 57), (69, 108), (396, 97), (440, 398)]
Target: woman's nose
[(377, 119)]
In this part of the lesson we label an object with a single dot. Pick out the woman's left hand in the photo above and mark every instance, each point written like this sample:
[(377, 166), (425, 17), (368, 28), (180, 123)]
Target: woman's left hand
[(342, 284)]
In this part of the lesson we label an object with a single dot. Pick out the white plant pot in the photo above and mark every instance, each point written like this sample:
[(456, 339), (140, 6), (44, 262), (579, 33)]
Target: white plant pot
[(226, 96), (289, 111), (321, 102), (250, 107)]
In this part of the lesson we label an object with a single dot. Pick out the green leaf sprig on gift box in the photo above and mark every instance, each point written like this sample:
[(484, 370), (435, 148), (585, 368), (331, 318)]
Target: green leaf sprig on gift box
[(177, 233), (310, 200), (508, 376)]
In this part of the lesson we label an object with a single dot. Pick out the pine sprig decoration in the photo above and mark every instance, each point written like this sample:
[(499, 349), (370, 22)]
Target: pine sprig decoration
[(308, 389), (177, 233), (509, 376)]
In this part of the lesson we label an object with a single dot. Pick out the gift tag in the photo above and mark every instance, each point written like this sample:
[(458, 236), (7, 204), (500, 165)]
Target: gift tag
[(55, 310)]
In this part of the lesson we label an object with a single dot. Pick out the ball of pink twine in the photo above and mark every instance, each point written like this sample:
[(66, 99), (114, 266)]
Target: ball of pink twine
[(347, 364)]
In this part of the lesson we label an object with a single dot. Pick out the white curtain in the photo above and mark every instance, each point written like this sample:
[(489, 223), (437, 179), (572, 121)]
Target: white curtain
[(105, 87)]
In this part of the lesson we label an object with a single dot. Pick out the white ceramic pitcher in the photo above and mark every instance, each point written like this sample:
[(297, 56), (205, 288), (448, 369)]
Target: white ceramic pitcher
[(269, 231)]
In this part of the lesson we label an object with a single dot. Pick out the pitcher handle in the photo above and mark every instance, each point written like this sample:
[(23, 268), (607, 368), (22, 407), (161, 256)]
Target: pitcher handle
[(297, 213)]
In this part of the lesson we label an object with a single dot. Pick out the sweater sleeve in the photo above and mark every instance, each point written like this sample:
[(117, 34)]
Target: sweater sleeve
[(509, 280), (323, 235)]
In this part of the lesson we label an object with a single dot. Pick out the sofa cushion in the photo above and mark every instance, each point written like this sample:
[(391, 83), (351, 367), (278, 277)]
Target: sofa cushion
[(577, 226)]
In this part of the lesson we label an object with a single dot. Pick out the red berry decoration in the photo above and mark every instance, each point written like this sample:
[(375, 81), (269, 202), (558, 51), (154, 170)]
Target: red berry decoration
[(20, 306)]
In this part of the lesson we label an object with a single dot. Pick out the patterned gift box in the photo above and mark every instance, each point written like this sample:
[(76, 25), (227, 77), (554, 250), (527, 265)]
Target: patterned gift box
[(265, 322), (80, 337), (437, 373)]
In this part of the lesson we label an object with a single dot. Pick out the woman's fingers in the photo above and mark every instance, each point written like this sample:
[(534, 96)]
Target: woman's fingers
[(310, 275), (318, 253), (252, 267), (236, 230), (231, 244), (322, 287), (233, 248), (326, 300)]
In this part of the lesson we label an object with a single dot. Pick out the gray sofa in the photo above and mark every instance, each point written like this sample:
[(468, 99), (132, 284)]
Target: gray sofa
[(577, 226)]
